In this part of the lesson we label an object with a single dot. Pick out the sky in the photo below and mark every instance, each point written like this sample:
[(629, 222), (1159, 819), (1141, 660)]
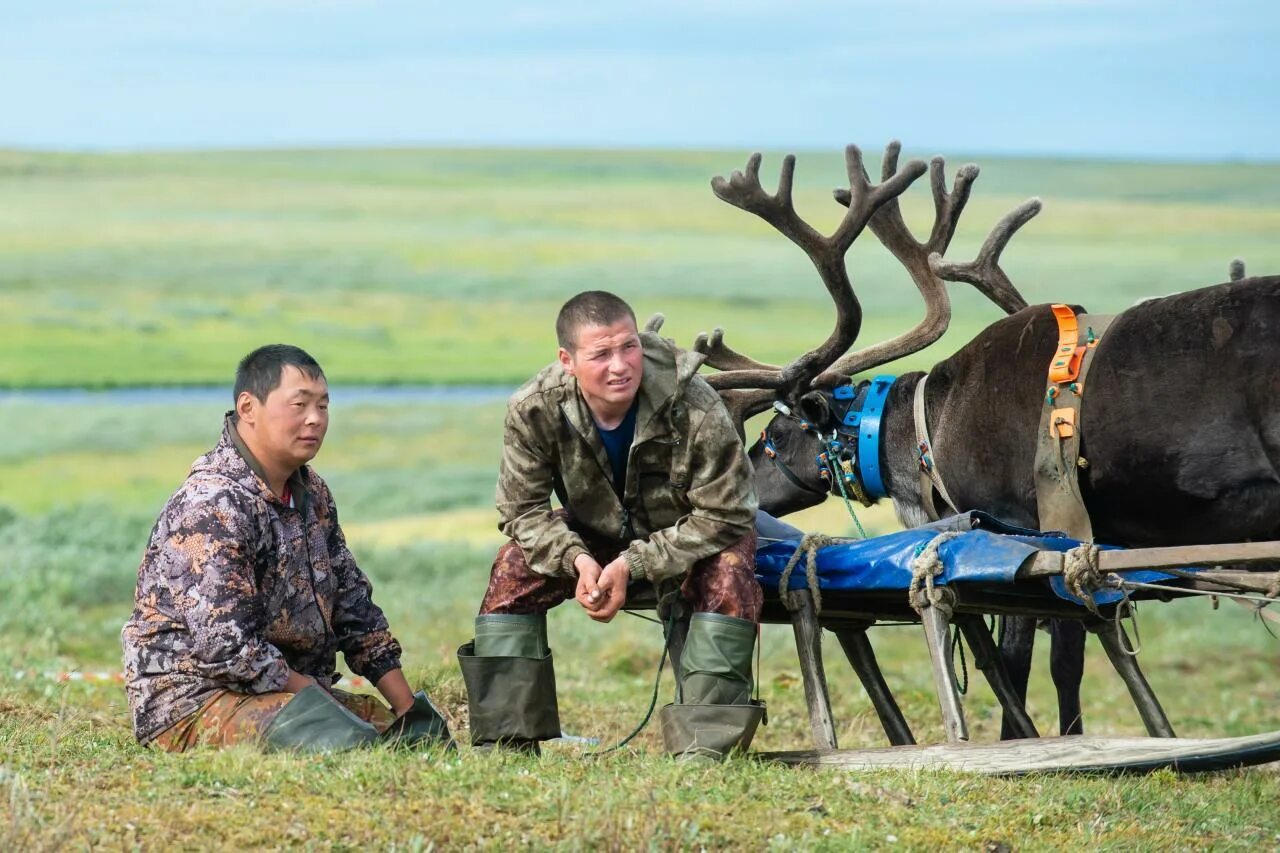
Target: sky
[(1140, 79)]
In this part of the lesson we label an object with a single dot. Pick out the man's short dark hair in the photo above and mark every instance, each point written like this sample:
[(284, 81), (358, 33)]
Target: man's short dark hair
[(260, 371), (589, 308)]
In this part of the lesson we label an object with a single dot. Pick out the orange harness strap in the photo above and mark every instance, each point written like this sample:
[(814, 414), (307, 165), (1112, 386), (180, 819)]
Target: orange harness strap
[(1065, 366), (1058, 461)]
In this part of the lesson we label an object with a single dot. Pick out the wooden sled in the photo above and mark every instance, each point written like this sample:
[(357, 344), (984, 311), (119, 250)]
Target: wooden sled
[(850, 614), (1070, 754)]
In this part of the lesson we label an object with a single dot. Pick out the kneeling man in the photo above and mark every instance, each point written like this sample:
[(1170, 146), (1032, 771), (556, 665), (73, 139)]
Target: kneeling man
[(247, 592), (655, 487)]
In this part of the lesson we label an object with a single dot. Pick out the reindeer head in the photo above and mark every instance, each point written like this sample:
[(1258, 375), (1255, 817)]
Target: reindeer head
[(787, 476)]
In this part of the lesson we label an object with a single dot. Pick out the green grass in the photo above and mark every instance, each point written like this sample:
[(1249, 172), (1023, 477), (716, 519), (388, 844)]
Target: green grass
[(448, 266), (69, 563)]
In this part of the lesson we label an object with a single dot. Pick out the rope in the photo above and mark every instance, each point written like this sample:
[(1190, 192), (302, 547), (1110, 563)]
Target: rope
[(1273, 591), (667, 628), (809, 545), (1262, 600), (1080, 573), (957, 646), (925, 566), (844, 495), (1130, 607)]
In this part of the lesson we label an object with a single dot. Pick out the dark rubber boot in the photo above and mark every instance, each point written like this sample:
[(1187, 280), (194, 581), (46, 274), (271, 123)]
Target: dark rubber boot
[(313, 721), (420, 726), (511, 690), (714, 715)]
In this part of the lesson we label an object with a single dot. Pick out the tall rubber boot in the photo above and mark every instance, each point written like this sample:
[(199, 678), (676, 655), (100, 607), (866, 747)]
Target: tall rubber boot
[(511, 682), (714, 714), (313, 721)]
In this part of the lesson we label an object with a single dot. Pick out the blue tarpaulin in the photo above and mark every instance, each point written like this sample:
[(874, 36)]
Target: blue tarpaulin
[(990, 552)]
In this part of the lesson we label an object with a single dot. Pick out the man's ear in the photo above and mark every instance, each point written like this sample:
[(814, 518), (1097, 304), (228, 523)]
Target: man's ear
[(246, 407), (566, 360)]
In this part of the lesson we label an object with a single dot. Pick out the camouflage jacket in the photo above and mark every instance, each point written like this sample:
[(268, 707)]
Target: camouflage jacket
[(236, 585), (689, 490)]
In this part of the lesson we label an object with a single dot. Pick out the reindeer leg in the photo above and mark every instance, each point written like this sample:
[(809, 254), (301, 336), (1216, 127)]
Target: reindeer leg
[(1066, 665), (1017, 638)]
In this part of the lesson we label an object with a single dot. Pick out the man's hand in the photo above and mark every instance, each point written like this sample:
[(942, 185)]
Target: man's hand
[(612, 589), (587, 593), (395, 689)]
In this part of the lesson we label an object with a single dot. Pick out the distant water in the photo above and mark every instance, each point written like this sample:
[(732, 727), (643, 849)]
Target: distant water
[(218, 394)]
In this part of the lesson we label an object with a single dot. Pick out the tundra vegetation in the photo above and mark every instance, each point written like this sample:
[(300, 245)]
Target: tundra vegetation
[(447, 267)]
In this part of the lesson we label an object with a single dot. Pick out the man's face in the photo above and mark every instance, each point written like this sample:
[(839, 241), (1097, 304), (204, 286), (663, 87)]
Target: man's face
[(608, 362), (289, 426)]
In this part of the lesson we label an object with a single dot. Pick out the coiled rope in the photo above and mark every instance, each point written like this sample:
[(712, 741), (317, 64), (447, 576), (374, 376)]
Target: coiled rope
[(1081, 575), (925, 566), (809, 546)]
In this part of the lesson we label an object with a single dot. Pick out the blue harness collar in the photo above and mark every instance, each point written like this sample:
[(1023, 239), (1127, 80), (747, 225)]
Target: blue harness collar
[(860, 428)]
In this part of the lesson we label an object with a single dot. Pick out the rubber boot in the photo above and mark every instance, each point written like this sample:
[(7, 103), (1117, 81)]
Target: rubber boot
[(421, 725), (714, 714), (313, 721), (511, 683)]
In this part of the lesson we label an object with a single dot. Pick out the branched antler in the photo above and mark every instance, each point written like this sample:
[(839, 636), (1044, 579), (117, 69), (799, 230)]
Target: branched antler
[(893, 232), (923, 261), (984, 271), (743, 190)]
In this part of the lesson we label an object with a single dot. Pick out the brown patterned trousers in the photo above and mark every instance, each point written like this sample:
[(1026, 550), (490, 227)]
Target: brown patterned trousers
[(230, 718), (723, 583)]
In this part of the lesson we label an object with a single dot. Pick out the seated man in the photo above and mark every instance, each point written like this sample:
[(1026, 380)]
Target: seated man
[(655, 487), (247, 591)]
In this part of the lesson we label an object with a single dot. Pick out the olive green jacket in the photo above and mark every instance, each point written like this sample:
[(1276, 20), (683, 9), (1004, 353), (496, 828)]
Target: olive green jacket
[(689, 491)]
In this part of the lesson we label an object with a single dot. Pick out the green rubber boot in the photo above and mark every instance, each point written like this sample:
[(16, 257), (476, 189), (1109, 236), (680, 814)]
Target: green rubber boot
[(313, 721), (714, 714), (511, 683), (422, 725)]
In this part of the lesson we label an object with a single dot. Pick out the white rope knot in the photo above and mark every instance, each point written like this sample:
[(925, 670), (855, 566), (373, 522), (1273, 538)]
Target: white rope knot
[(809, 545), (1081, 575), (925, 566)]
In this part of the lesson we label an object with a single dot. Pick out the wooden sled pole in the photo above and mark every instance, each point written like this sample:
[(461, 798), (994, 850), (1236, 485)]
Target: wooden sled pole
[(804, 622), (986, 657), (1153, 716), (938, 638), (862, 657)]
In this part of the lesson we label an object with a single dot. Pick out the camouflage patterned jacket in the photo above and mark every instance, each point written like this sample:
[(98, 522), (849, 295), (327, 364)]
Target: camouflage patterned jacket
[(689, 491), (235, 586)]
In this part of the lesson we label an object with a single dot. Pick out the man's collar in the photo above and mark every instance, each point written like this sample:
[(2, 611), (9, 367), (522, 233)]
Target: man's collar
[(296, 482)]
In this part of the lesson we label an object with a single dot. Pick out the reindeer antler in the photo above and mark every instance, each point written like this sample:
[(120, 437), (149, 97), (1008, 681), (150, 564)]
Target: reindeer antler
[(743, 190), (984, 271), (923, 261)]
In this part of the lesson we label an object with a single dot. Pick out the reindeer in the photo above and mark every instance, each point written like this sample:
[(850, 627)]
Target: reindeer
[(1180, 423)]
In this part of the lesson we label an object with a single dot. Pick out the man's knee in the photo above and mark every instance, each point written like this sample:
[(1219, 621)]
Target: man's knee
[(725, 583)]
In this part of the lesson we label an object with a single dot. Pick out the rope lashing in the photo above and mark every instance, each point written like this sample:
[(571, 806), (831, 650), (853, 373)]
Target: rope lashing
[(809, 545), (925, 566), (1081, 575)]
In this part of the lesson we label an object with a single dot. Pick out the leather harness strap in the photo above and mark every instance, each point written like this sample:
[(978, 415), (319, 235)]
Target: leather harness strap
[(1058, 462), (930, 479)]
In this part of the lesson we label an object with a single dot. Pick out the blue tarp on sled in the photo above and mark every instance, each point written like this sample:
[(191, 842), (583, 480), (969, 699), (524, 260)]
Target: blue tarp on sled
[(987, 551)]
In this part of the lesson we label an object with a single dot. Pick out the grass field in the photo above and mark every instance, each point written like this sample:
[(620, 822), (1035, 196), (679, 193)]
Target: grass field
[(447, 266)]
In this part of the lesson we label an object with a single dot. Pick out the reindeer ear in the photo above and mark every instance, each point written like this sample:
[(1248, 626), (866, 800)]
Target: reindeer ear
[(815, 408)]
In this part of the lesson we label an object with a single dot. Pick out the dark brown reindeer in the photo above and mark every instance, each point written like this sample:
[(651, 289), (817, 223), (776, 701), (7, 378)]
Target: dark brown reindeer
[(1180, 423)]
